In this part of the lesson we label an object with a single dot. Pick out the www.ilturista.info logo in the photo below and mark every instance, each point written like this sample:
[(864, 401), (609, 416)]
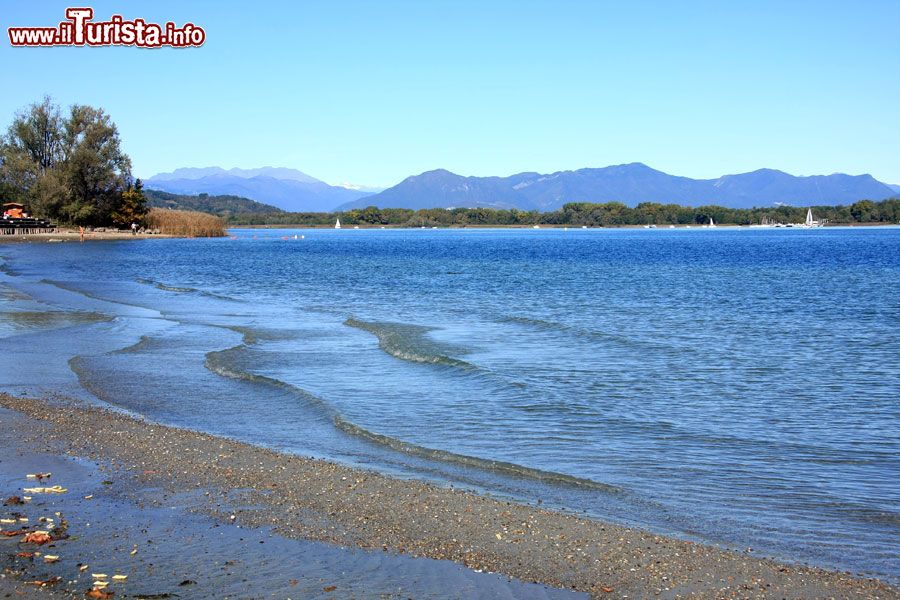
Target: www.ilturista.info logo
[(80, 30)]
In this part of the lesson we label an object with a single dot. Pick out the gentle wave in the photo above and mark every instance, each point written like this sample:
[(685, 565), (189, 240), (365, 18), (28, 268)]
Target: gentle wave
[(218, 362), (52, 318), (221, 363), (10, 294), (183, 289), (165, 287), (556, 327), (410, 343), (144, 344), (95, 296), (495, 466)]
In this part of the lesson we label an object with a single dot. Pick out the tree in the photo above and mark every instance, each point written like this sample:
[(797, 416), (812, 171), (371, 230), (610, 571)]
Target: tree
[(862, 210), (96, 169), (36, 133), (70, 168), (132, 206)]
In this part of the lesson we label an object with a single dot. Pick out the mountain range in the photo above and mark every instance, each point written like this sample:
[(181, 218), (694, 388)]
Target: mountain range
[(631, 184), (295, 191), (287, 189)]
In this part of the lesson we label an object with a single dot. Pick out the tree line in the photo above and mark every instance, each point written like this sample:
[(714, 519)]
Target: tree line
[(582, 213), (69, 166)]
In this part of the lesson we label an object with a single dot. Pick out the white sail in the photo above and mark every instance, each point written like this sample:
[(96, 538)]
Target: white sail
[(711, 223), (809, 219), (337, 224)]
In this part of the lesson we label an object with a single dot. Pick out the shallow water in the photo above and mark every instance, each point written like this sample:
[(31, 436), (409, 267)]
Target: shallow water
[(173, 543), (734, 386)]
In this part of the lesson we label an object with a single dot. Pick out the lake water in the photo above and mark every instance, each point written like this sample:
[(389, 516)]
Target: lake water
[(732, 386)]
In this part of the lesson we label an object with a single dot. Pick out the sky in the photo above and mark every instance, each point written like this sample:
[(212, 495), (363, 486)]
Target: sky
[(371, 92)]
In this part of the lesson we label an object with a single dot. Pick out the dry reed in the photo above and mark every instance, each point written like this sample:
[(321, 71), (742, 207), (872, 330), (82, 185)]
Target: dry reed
[(185, 223)]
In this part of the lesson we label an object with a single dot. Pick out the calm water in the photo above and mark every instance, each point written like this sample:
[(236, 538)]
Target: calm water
[(733, 386)]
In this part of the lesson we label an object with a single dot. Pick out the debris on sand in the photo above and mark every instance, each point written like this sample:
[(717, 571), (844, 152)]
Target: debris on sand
[(56, 489), (16, 532), (46, 582), (37, 537)]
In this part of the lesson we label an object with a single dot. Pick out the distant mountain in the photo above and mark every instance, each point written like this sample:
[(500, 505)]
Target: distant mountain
[(222, 206), (631, 184), (894, 187), (360, 188), (199, 173), (287, 189), (440, 188)]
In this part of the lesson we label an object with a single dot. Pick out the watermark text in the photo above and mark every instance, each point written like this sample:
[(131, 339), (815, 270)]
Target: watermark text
[(79, 29)]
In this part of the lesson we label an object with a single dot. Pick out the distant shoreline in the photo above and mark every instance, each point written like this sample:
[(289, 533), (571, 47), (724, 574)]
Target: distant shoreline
[(553, 226), (69, 235)]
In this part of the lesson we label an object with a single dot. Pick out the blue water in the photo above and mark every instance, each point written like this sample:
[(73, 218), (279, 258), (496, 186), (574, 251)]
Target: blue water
[(739, 387)]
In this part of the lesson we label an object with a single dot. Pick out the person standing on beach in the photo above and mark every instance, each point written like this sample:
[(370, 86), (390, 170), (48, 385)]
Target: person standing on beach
[(134, 228), (81, 232)]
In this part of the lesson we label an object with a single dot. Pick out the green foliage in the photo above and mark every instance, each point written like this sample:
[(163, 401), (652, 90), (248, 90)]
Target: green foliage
[(576, 214), (223, 206), (68, 167), (132, 207)]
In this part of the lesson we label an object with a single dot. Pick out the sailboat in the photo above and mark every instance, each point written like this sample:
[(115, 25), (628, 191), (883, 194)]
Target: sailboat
[(810, 222), (809, 219), (711, 223), (337, 224)]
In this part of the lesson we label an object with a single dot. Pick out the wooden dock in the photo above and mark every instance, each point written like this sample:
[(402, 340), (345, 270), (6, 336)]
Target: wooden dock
[(25, 226)]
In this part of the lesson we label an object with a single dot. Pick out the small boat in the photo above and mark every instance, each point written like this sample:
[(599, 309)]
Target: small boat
[(711, 222), (810, 222), (337, 224)]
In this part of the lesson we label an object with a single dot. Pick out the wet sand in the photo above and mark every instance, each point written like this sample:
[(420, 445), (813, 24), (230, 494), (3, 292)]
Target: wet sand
[(217, 485), (168, 545)]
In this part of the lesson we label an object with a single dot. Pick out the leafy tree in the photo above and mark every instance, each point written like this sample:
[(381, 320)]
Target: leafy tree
[(862, 211), (68, 167), (96, 169), (132, 206)]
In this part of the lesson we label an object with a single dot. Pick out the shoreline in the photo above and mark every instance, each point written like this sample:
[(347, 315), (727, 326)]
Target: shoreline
[(67, 235), (139, 536), (317, 500), (551, 226)]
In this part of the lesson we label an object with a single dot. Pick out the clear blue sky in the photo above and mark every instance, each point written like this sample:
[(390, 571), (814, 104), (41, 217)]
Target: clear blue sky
[(370, 92)]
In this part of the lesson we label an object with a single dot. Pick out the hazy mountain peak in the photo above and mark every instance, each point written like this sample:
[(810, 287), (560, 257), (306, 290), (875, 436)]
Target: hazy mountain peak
[(285, 188), (630, 183), (201, 172)]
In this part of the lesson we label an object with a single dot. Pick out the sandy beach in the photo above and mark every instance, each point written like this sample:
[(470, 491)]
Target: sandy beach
[(72, 235), (218, 485)]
